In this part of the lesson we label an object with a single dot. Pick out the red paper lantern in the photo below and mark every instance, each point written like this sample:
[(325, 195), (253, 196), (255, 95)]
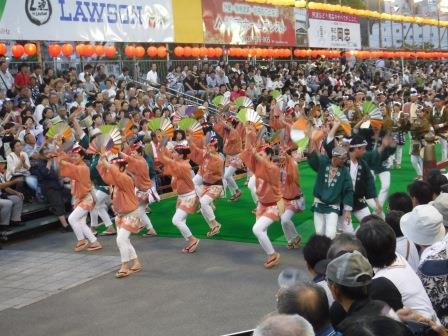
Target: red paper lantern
[(161, 52), (288, 53), (270, 53), (195, 52), (89, 50), (129, 51), (18, 51), (188, 51), (110, 51), (81, 49), (211, 53), (30, 49), (99, 50), (3, 49), (67, 50), (151, 51), (296, 53), (218, 52), (139, 52), (54, 50), (179, 51), (202, 52)]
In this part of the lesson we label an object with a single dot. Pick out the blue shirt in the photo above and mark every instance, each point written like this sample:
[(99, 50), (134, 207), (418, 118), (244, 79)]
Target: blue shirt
[(329, 331)]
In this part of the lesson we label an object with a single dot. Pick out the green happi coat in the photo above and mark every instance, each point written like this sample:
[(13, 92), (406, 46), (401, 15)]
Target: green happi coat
[(330, 195)]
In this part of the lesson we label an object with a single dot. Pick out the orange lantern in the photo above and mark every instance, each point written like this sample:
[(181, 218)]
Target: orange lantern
[(161, 52), (288, 53), (211, 53), (18, 51), (270, 53), (151, 51), (258, 52), (296, 53), (129, 51), (54, 50), (30, 49), (218, 52), (67, 50), (139, 52), (195, 52), (188, 51), (81, 49), (110, 51), (99, 50), (179, 51), (89, 51), (202, 52), (3, 49)]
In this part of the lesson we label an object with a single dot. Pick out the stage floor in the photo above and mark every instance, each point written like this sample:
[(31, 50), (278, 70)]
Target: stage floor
[(222, 288)]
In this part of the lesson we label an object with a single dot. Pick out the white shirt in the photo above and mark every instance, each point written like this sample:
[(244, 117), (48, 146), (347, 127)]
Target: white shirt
[(353, 172), (15, 164), (412, 292), (152, 77), (406, 247), (38, 112)]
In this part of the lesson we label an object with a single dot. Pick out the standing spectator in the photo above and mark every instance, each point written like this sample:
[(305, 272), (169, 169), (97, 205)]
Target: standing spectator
[(152, 77), (6, 80)]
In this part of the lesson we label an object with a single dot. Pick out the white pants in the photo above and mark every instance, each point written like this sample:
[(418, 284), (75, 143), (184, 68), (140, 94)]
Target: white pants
[(260, 230), (398, 155), (207, 210), (417, 163), (444, 148), (127, 251), (326, 224), (77, 221), (100, 209), (384, 190), (198, 184), (180, 221), (143, 217), (347, 227), (288, 226), (229, 180), (252, 186)]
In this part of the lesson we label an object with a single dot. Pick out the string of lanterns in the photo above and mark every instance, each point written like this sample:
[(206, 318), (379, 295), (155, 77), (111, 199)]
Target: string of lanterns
[(132, 51), (352, 11)]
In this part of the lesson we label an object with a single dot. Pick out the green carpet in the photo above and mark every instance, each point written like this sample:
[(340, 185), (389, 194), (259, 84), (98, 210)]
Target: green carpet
[(237, 219)]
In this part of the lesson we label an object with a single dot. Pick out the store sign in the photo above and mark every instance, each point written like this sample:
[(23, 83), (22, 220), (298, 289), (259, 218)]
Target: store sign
[(241, 23), (73, 20), (333, 30)]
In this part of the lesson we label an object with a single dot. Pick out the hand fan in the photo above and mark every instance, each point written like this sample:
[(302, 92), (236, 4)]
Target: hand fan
[(336, 112), (162, 124), (193, 125), (369, 107), (299, 133), (62, 130), (247, 115), (108, 141), (86, 122), (244, 102), (125, 125), (221, 100), (277, 95)]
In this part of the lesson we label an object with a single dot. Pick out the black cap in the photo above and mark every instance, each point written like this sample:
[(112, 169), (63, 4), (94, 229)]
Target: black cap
[(357, 141)]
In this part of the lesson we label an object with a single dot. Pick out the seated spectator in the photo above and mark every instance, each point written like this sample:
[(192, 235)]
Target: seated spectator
[(315, 255), (284, 325), (349, 277), (11, 201), (381, 289), (420, 193), (377, 326), (405, 248), (436, 181), (309, 301), (19, 165), (424, 227), (400, 201), (379, 240)]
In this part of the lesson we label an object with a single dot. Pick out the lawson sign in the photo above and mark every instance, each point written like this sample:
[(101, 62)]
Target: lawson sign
[(87, 20)]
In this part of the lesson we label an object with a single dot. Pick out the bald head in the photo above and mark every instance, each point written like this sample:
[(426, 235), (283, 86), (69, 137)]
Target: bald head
[(284, 325), (308, 300)]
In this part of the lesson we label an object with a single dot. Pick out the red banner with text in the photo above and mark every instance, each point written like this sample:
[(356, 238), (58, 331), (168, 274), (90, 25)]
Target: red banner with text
[(241, 23)]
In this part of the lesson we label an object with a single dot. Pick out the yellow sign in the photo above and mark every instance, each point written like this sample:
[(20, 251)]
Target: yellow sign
[(188, 21)]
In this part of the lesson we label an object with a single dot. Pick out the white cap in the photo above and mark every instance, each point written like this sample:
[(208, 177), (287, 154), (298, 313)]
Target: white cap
[(423, 225)]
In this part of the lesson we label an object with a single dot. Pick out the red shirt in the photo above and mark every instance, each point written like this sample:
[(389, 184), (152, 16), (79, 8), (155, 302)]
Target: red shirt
[(22, 80)]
